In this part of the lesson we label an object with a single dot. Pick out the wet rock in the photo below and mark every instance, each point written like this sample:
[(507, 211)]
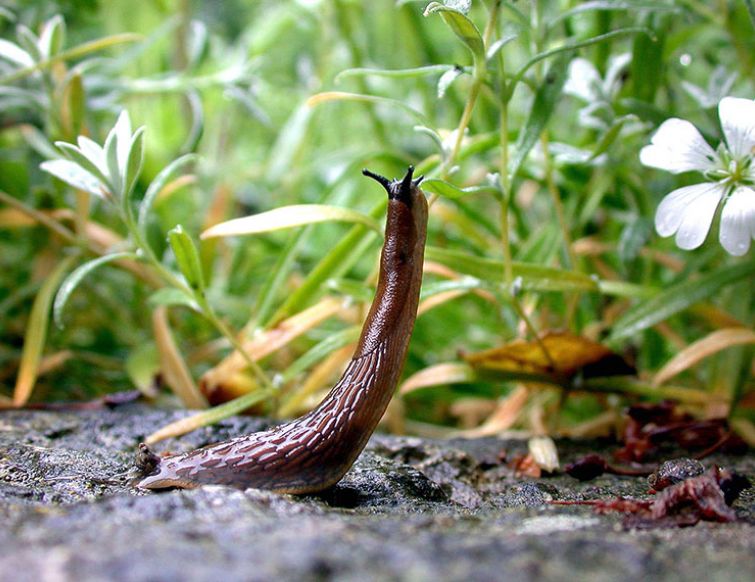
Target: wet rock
[(410, 509), (675, 471)]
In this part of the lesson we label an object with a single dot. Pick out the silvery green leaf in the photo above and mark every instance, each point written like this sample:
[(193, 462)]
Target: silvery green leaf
[(15, 54), (93, 152), (52, 39), (121, 132), (187, 257), (29, 42), (453, 14), (76, 155), (74, 278), (499, 44), (73, 174), (170, 296), (462, 6), (446, 79), (158, 183), (133, 165), (113, 168), (198, 42)]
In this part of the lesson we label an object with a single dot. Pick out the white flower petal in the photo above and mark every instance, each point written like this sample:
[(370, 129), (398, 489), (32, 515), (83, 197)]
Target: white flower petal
[(688, 212), (583, 81), (677, 146), (738, 221), (616, 66), (738, 122)]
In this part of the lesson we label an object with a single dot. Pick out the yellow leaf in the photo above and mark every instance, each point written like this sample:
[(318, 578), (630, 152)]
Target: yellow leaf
[(506, 413), (218, 378), (448, 373), (556, 354), (701, 349)]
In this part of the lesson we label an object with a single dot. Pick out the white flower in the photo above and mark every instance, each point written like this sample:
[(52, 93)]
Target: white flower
[(585, 83), (677, 147)]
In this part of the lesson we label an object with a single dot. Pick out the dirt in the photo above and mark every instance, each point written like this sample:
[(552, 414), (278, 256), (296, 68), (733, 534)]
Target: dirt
[(410, 509)]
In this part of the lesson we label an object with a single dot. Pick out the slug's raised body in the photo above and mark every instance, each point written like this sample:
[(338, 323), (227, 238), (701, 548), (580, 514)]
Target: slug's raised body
[(313, 452)]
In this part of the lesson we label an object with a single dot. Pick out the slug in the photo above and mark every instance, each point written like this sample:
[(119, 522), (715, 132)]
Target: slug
[(311, 453)]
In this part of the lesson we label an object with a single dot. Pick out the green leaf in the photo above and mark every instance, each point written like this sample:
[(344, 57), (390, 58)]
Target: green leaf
[(113, 168), (648, 61), (610, 136), (29, 41), (462, 284), (327, 346), (187, 257), (336, 262), (157, 185), (53, 35), (499, 44), (571, 46), (143, 365), (74, 53), (677, 298), (534, 277), (72, 281), (197, 121), (36, 334), (134, 162), (546, 98), (613, 5), (288, 217), (447, 78), (453, 15), (71, 173), (38, 141), (74, 105), (448, 190), (412, 73), (15, 54), (357, 290), (344, 96), (170, 297), (93, 167)]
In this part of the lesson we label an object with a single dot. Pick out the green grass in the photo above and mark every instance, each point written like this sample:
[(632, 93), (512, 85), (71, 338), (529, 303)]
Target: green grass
[(539, 201)]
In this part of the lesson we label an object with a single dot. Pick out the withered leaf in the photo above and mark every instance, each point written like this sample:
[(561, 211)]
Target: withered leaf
[(558, 354)]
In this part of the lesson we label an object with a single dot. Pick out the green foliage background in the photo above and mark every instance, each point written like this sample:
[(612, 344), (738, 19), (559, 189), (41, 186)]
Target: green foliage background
[(234, 83)]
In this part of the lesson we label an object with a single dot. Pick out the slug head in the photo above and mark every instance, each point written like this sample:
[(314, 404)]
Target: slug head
[(398, 189)]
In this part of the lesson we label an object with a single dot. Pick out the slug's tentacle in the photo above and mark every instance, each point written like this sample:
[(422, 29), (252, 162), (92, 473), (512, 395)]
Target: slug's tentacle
[(314, 451)]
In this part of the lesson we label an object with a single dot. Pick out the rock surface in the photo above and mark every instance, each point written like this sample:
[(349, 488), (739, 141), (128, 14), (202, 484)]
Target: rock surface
[(410, 509)]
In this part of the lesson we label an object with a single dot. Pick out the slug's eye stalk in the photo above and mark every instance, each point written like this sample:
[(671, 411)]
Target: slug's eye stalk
[(397, 189)]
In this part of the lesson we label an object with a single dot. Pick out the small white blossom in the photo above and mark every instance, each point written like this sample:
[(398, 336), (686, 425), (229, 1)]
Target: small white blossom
[(688, 212), (585, 83)]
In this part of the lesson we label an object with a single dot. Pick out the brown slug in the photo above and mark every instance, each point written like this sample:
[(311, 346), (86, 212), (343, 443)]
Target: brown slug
[(313, 452)]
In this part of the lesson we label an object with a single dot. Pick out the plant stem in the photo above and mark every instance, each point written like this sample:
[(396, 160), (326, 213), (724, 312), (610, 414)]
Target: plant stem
[(553, 190)]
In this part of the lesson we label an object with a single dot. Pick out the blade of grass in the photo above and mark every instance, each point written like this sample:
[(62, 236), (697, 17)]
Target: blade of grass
[(678, 298), (174, 368), (35, 335), (216, 414)]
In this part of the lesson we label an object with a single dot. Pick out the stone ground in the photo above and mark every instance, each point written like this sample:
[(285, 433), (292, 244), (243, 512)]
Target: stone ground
[(410, 509)]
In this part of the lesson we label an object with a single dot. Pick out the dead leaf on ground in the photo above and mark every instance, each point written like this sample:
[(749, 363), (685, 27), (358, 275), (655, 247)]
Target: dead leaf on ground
[(557, 355)]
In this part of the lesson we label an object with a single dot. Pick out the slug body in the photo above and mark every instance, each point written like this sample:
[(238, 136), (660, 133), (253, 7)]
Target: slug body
[(313, 452)]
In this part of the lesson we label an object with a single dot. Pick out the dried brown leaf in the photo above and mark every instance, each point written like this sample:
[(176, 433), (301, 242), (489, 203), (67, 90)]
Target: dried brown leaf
[(701, 349), (173, 367)]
